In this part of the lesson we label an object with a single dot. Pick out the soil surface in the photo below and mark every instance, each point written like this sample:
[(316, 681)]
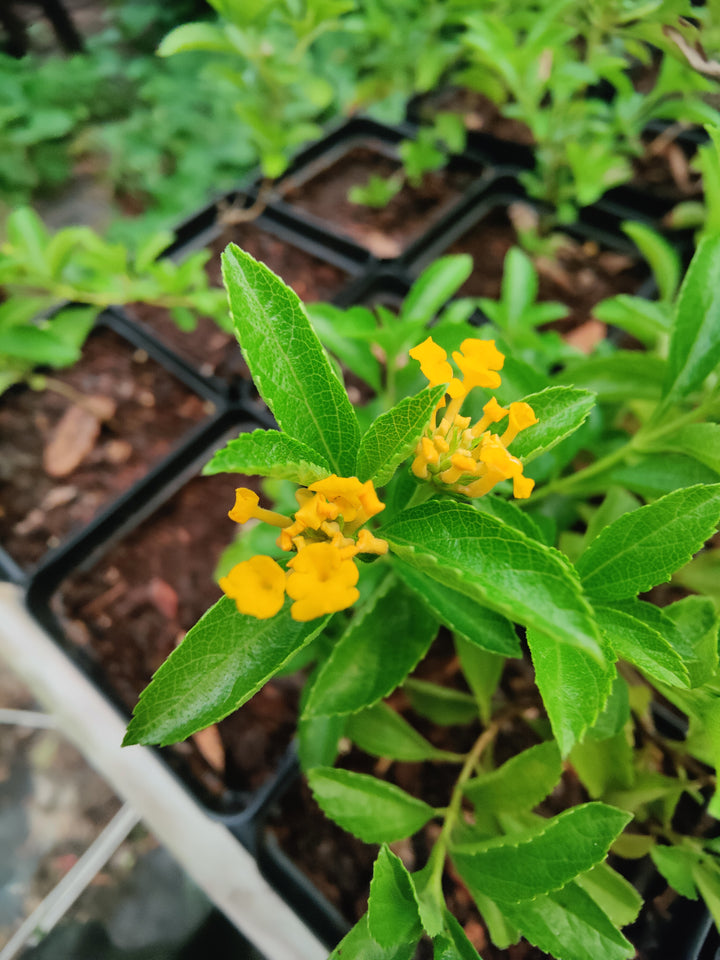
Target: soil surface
[(131, 609), (212, 350), (143, 412), (388, 231), (580, 276), (479, 114)]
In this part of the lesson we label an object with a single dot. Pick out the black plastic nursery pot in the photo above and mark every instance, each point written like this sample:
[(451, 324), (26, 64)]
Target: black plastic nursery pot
[(597, 260), (314, 191)]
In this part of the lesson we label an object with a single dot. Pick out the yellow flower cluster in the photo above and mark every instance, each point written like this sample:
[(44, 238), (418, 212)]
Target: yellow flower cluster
[(326, 536), (469, 459)]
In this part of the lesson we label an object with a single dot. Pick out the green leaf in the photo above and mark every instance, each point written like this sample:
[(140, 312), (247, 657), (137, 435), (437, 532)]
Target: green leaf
[(37, 346), (375, 654), (318, 739), (605, 765), (697, 620), (394, 435), (702, 575), (430, 898), (646, 788), (442, 705), (685, 641), (434, 287), (371, 809), (520, 783), (288, 364), (478, 625), (569, 925), (195, 36), (619, 378), (646, 320), (29, 237), (509, 513), (573, 685), (519, 286), (616, 503), (612, 893), (695, 340), (382, 732), (527, 864), (222, 661), (642, 645), (269, 453), (453, 944), (615, 714), (701, 441), (498, 566), (358, 944), (73, 324), (482, 671), (662, 257), (657, 474), (329, 323), (560, 411), (645, 547), (707, 877), (676, 865), (392, 908)]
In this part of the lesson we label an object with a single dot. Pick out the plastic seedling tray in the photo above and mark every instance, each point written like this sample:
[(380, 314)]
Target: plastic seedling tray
[(152, 402), (314, 190)]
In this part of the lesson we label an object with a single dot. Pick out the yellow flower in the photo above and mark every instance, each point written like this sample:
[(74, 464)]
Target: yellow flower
[(354, 501), (433, 362), (322, 581), (367, 543), (246, 507), (257, 586), (479, 360), (454, 455), (520, 416), (324, 534)]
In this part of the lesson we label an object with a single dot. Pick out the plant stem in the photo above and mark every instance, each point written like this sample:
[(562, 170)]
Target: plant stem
[(642, 441), (455, 806), (42, 382), (231, 215), (423, 492)]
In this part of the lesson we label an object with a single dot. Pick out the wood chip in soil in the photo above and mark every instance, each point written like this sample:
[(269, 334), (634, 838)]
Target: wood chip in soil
[(59, 468)]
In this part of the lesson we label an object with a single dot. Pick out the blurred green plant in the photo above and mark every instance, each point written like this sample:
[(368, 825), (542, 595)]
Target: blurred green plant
[(266, 51), (40, 273), (544, 66)]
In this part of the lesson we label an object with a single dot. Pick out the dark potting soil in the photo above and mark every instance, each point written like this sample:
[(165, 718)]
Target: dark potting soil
[(214, 351), (132, 608), (580, 276), (143, 412), (664, 169), (388, 231)]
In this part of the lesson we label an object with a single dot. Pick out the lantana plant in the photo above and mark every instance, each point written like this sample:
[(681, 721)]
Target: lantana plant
[(427, 522)]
